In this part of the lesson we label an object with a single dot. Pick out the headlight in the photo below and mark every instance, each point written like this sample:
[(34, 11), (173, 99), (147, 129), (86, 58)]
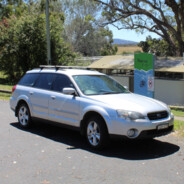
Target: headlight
[(169, 109), (132, 115), (170, 112)]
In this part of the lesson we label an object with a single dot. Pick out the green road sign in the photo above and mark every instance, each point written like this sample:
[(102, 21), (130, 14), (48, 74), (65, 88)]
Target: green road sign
[(144, 74)]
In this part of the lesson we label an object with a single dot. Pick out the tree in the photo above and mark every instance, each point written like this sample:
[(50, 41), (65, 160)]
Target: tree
[(12, 7), (23, 43), (163, 17), (157, 46), (82, 30)]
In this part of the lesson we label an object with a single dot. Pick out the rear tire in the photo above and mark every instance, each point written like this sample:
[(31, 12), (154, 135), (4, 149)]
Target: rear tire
[(24, 117), (96, 133)]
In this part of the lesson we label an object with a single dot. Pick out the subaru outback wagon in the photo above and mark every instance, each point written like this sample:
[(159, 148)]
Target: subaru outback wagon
[(92, 102)]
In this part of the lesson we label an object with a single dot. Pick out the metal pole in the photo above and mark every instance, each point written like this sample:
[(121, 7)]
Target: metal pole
[(48, 33)]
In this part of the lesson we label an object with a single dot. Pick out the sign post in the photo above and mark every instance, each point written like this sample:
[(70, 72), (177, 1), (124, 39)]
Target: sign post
[(144, 74)]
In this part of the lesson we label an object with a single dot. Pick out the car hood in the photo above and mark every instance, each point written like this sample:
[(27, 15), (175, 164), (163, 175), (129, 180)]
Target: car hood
[(130, 101)]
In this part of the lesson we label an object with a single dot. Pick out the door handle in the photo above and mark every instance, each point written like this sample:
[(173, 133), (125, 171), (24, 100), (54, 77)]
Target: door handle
[(31, 93), (53, 97)]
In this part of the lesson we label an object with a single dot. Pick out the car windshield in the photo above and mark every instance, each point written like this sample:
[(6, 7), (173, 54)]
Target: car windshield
[(98, 85)]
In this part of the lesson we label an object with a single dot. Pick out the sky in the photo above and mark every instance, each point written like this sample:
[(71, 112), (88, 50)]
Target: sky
[(130, 34)]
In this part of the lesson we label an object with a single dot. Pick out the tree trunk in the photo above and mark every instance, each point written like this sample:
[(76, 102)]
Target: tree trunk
[(180, 49)]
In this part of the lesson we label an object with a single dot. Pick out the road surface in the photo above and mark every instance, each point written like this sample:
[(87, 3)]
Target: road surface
[(51, 155)]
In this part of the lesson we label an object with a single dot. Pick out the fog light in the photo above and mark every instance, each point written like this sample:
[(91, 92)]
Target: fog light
[(131, 133)]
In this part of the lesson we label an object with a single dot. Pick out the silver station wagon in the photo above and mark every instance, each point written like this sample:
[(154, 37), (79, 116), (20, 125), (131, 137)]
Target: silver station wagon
[(92, 102)]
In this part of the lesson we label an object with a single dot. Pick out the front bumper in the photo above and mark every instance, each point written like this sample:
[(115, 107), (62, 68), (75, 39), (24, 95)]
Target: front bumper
[(155, 132), (143, 128)]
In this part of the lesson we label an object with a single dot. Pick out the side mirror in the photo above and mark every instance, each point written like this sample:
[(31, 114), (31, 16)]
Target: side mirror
[(69, 91)]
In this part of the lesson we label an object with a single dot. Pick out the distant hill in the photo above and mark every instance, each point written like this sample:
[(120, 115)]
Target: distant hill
[(124, 42)]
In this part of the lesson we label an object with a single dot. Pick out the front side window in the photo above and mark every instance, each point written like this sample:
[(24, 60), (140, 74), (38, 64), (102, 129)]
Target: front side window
[(60, 82), (29, 79), (45, 81), (98, 85)]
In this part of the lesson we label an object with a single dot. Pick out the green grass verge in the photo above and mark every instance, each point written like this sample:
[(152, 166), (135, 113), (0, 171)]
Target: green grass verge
[(178, 113), (5, 96), (177, 108), (6, 87), (179, 127)]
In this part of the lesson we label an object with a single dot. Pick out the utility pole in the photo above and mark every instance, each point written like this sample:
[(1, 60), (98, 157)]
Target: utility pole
[(48, 33)]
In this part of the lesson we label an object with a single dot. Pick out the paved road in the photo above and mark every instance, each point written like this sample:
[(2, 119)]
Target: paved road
[(50, 155)]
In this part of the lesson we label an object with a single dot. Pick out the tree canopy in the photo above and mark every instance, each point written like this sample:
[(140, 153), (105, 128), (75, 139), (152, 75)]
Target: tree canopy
[(157, 46), (82, 28), (163, 17), (13, 7), (73, 29), (23, 42)]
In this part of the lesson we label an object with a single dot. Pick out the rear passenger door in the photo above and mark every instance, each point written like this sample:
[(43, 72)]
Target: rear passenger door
[(63, 108), (39, 95)]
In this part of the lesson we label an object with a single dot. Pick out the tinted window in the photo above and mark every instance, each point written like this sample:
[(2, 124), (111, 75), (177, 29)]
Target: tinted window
[(29, 79), (45, 81), (61, 81)]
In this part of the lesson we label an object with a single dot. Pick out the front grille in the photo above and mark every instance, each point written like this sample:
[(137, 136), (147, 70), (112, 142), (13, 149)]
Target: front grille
[(158, 115)]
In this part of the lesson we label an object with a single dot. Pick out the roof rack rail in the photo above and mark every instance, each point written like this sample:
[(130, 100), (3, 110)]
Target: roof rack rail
[(57, 67)]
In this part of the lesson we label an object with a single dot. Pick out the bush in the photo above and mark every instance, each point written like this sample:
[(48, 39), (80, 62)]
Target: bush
[(23, 44)]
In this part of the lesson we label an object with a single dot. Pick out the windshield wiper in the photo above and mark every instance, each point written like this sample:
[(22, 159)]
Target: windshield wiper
[(110, 92)]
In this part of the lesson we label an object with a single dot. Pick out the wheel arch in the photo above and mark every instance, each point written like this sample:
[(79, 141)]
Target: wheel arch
[(21, 101), (86, 116)]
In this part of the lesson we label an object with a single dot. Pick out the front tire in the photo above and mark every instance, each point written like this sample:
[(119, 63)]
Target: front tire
[(96, 133), (24, 117)]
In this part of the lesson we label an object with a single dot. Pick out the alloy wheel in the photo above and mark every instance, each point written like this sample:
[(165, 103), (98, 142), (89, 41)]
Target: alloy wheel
[(93, 133), (23, 115)]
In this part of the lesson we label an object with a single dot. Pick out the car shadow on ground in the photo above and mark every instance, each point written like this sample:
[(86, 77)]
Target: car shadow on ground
[(129, 150)]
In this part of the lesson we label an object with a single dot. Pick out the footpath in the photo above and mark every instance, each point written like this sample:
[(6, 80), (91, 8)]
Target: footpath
[(179, 118)]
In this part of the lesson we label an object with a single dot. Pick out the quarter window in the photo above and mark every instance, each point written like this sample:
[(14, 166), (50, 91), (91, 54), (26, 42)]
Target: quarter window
[(29, 79)]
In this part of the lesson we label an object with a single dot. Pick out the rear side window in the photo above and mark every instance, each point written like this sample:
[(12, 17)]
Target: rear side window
[(29, 79), (45, 81)]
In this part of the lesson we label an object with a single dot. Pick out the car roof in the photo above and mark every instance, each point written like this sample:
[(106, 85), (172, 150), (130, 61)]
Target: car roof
[(69, 72)]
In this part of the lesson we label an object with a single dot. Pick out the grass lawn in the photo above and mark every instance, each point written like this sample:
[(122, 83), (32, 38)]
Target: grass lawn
[(179, 127), (5, 96), (178, 113), (6, 87), (128, 50)]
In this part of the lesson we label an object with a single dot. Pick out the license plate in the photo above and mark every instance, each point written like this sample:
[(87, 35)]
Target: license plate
[(160, 127)]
